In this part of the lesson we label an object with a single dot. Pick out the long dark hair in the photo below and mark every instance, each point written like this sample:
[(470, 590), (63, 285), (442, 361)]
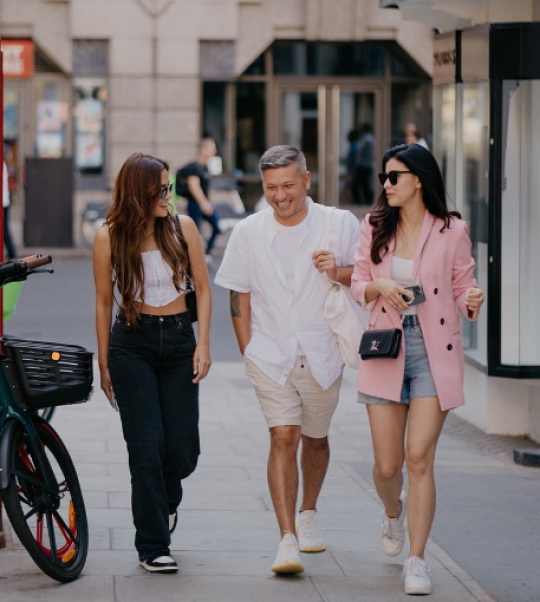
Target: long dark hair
[(137, 190), (385, 219)]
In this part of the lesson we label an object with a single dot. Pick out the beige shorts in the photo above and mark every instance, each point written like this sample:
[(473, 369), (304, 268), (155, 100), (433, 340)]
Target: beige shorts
[(300, 401)]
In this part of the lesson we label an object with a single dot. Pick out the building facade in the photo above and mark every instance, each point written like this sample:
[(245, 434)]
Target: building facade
[(105, 78)]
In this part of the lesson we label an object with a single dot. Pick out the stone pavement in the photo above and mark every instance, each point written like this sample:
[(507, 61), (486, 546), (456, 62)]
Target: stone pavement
[(227, 534)]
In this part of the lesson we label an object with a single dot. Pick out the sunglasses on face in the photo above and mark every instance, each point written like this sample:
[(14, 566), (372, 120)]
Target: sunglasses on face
[(392, 176), (165, 190)]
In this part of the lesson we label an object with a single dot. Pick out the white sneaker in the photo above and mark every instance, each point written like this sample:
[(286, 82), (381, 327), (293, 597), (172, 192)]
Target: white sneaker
[(393, 531), (415, 576), (288, 556), (160, 564), (309, 537)]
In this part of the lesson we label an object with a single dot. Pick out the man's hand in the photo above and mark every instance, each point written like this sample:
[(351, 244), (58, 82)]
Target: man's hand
[(324, 261)]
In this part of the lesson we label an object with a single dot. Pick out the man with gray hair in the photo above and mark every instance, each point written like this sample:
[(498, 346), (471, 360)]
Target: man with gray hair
[(274, 267)]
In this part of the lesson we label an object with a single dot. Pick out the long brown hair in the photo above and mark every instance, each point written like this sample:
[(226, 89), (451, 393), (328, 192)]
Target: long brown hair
[(385, 219), (136, 192)]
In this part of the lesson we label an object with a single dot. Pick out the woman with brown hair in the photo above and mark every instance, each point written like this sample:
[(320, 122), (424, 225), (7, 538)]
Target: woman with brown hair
[(150, 363)]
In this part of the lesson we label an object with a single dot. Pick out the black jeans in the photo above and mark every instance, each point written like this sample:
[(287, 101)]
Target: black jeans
[(151, 369)]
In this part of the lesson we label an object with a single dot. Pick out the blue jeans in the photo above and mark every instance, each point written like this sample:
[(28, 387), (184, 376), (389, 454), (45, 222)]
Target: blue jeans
[(195, 213), (151, 369), (417, 379)]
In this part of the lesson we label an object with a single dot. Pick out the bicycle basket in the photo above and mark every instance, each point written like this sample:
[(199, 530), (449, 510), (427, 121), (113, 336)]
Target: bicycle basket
[(49, 374)]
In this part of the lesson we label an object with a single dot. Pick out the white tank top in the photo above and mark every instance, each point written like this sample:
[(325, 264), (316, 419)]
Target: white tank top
[(402, 274), (159, 287)]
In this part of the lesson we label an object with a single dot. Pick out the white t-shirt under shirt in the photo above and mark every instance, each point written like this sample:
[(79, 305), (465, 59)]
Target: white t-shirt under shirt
[(286, 245)]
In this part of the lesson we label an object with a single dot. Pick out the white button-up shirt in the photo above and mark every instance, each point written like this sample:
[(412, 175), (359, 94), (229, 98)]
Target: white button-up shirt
[(282, 320)]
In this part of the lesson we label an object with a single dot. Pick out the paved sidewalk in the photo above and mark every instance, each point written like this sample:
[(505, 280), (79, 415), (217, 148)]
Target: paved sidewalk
[(227, 534)]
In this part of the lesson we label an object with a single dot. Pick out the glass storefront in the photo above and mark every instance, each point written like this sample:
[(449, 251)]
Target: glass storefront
[(520, 221), (474, 204), (461, 146), (342, 103)]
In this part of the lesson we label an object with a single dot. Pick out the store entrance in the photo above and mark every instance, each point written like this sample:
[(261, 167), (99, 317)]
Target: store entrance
[(339, 127)]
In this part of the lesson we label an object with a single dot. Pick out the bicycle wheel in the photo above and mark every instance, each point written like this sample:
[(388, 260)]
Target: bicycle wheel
[(52, 527)]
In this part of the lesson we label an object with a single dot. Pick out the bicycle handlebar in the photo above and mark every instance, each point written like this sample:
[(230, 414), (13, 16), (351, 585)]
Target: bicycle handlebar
[(18, 270), (36, 261)]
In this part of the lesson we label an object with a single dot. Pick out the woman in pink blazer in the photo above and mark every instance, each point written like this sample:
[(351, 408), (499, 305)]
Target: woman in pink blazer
[(410, 238)]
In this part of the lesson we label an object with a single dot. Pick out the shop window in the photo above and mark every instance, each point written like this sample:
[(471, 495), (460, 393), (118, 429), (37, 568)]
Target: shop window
[(324, 58), (444, 141), (520, 223), (474, 206), (52, 117), (89, 112)]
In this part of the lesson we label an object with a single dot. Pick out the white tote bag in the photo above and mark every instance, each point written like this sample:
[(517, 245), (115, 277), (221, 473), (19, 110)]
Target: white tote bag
[(346, 318)]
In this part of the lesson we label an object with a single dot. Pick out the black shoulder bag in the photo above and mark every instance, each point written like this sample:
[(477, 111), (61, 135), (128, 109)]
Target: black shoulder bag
[(387, 342), (191, 298)]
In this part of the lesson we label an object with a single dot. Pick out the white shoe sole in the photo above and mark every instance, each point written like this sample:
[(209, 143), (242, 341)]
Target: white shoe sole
[(417, 591), (164, 569), (309, 549), (288, 568), (312, 549)]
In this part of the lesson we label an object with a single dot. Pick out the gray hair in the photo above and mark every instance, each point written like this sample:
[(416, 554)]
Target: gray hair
[(281, 156)]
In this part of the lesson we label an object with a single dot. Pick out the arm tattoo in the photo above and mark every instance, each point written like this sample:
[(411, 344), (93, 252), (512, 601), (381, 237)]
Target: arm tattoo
[(235, 305)]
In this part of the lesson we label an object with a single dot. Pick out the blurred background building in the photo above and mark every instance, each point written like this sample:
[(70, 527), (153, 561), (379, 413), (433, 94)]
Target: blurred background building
[(90, 81)]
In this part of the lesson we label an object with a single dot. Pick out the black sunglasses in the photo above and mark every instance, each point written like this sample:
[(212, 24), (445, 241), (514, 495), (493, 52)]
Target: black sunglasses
[(392, 176), (167, 189)]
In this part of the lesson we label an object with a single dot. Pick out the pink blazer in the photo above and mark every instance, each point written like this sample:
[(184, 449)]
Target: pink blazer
[(446, 272)]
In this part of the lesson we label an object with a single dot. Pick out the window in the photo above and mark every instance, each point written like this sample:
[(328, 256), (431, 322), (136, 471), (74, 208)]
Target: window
[(407, 105), (324, 58), (444, 142), (52, 113), (520, 223), (475, 155), (89, 111), (250, 125)]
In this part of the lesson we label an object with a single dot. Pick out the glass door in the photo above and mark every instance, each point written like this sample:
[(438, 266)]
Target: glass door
[(358, 144), (300, 118), (339, 130)]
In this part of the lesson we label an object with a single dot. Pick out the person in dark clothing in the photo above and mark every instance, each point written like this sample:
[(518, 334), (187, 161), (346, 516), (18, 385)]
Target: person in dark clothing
[(198, 185)]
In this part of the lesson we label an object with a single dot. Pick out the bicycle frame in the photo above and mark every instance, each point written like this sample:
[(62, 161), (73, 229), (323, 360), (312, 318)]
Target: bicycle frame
[(11, 414)]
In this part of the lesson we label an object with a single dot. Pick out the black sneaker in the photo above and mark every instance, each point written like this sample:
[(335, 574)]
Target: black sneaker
[(173, 519), (160, 564)]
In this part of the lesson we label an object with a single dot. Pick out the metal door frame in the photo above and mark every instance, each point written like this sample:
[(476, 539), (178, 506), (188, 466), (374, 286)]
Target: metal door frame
[(328, 92)]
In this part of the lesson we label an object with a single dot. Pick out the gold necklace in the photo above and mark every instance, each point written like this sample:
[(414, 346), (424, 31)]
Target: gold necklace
[(147, 237)]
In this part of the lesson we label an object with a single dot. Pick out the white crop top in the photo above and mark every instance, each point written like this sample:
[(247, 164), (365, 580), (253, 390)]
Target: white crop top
[(402, 274), (159, 287)]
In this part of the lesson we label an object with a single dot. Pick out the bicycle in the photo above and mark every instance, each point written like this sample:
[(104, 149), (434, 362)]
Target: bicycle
[(38, 481)]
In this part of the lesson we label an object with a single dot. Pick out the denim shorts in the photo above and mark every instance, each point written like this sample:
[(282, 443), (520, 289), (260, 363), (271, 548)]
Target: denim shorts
[(417, 380)]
